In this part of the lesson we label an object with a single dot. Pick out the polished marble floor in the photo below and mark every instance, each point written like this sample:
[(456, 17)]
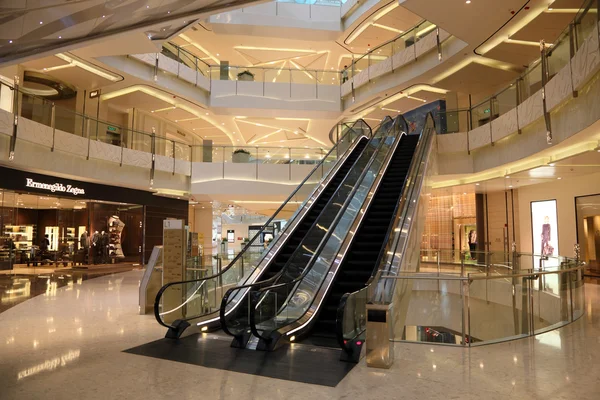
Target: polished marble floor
[(69, 343), (17, 286)]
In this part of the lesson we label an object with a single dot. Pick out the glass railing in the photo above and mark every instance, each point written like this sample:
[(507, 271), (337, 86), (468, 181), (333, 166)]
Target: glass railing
[(272, 308), (286, 73), (388, 49), (46, 112), (471, 308), (185, 57), (244, 265), (555, 56), (291, 72)]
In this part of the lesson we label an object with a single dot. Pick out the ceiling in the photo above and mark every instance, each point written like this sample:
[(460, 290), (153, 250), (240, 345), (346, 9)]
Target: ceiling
[(34, 26)]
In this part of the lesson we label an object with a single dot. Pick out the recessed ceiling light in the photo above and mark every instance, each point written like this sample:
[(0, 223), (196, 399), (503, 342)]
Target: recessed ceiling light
[(10, 41), (41, 22), (104, 16), (60, 37), (468, 1), (477, 184), (168, 12), (559, 177), (550, 8), (509, 186), (507, 177), (217, 54), (552, 164)]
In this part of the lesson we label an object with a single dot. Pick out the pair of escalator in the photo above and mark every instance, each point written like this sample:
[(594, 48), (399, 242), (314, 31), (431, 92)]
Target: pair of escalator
[(330, 247)]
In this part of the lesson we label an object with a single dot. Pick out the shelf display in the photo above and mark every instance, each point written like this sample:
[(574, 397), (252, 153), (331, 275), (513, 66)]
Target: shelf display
[(115, 228), (21, 235)]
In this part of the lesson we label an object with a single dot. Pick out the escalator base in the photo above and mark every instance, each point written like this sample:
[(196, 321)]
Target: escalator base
[(298, 363)]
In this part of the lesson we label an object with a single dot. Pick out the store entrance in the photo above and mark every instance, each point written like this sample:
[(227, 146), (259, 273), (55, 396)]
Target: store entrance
[(588, 232), (67, 232)]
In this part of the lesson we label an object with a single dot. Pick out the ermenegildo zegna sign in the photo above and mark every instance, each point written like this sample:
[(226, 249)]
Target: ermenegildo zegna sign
[(29, 182), (54, 187)]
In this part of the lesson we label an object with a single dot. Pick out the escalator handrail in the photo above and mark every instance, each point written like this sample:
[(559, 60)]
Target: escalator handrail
[(240, 254), (426, 141), (225, 299), (419, 154), (401, 131), (322, 243)]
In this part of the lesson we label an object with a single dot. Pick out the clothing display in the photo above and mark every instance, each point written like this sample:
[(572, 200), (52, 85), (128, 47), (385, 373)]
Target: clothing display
[(104, 247), (115, 226), (96, 249), (547, 248)]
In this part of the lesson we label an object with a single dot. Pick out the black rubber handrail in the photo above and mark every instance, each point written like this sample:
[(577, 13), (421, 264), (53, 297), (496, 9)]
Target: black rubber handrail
[(393, 222), (256, 236), (313, 259)]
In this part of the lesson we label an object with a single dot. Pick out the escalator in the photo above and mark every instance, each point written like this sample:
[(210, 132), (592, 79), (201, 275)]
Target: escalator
[(312, 307), (286, 251), (360, 260), (180, 304), (293, 258)]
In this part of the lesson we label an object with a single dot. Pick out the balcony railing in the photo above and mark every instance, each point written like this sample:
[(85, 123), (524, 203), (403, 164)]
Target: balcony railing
[(43, 111), (553, 58)]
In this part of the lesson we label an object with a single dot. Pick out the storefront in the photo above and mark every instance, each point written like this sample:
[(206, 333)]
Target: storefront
[(51, 220)]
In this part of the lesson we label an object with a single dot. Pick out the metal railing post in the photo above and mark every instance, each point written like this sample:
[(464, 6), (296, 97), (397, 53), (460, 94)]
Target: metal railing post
[(86, 127), (53, 124), (13, 138), (544, 64), (153, 149), (464, 294), (173, 153), (491, 117)]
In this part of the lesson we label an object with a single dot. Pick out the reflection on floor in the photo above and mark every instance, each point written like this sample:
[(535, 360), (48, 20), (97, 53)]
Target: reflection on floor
[(20, 286), (70, 343)]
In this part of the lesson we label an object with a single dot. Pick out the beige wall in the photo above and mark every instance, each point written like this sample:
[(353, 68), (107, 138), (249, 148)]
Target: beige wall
[(500, 213), (564, 191), (200, 221)]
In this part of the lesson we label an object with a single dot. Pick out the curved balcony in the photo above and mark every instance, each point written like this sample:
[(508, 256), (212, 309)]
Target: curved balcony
[(298, 88), (46, 136), (553, 100)]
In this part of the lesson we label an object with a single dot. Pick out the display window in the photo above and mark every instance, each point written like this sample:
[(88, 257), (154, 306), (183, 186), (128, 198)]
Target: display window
[(49, 230), (544, 229), (588, 231)]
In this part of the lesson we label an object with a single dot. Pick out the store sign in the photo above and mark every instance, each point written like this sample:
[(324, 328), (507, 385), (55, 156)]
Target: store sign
[(112, 128), (54, 187)]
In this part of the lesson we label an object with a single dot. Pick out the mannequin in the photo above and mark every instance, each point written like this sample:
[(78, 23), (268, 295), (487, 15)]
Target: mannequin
[(116, 227), (104, 248), (95, 246), (84, 245)]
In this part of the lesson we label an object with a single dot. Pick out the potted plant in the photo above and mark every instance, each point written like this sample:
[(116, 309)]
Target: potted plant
[(245, 76), (241, 156)]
